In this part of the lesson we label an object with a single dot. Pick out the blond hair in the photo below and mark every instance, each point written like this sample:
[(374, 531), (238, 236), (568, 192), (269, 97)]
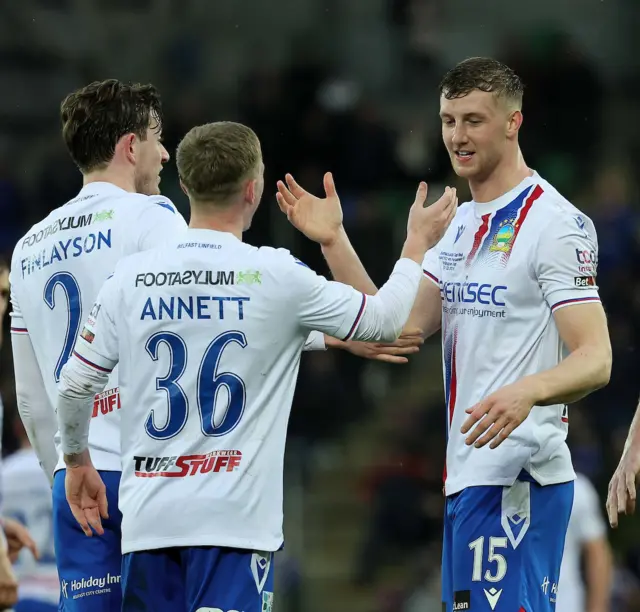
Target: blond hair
[(215, 159)]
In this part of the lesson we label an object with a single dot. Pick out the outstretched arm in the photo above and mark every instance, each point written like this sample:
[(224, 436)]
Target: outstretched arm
[(320, 219)]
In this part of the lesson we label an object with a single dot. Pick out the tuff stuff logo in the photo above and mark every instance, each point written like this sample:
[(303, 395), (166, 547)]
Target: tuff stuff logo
[(187, 465)]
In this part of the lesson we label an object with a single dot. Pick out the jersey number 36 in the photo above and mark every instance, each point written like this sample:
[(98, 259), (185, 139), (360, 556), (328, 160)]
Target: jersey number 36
[(209, 383)]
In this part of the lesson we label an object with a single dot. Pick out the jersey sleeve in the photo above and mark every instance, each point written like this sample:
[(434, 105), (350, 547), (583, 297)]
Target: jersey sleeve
[(87, 371), (344, 313), (586, 510), (566, 262), (35, 409), (158, 223), (431, 265), (325, 306), (97, 344)]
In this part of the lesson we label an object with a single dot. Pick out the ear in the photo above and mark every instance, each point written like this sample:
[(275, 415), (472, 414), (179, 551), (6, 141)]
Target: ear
[(184, 189), (126, 147), (515, 121), (250, 191)]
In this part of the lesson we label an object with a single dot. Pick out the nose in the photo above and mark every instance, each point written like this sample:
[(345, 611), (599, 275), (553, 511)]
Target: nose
[(164, 154), (459, 135)]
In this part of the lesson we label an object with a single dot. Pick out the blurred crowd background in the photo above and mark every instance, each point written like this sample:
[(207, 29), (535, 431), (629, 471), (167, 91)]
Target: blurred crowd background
[(351, 87)]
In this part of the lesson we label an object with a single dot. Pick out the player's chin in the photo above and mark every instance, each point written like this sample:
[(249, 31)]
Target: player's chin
[(465, 170)]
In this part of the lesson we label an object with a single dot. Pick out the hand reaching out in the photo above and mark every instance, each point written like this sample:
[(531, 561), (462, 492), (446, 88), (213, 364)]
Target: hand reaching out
[(18, 537), (319, 219), (431, 222), (408, 343)]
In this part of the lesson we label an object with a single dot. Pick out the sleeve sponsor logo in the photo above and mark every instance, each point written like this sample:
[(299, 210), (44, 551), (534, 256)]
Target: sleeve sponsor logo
[(584, 281)]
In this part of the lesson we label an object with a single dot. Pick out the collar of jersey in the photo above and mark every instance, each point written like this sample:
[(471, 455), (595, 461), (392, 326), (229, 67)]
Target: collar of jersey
[(483, 208), (101, 187), (211, 234)]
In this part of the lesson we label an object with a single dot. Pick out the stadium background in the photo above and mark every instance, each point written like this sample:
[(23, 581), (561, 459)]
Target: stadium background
[(352, 87)]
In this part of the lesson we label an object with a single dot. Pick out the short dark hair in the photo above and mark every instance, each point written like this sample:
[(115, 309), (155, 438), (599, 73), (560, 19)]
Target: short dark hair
[(213, 159), (484, 74), (95, 117)]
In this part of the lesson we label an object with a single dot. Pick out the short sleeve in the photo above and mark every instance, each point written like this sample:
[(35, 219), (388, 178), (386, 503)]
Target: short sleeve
[(589, 523), (97, 344), (159, 223), (431, 265), (326, 306), (566, 261)]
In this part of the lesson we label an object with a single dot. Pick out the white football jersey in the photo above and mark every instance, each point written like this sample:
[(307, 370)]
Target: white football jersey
[(58, 268), (585, 525), (28, 500), (504, 267), (208, 334)]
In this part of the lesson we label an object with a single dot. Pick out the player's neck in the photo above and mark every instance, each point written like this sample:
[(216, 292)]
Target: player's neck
[(218, 223), (110, 176), (503, 179)]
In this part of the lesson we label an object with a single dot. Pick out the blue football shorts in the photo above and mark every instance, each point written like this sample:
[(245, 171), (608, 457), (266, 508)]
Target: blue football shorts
[(197, 579), (34, 605), (89, 568), (503, 546)]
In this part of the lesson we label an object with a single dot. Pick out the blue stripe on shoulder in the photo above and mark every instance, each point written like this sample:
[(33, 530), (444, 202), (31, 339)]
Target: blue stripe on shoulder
[(300, 263), (167, 206)]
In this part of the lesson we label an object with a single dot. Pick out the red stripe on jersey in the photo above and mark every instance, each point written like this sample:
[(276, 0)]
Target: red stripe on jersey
[(453, 386), (358, 317), (431, 276), (582, 300), (522, 215), (95, 366), (453, 391), (19, 330), (477, 239)]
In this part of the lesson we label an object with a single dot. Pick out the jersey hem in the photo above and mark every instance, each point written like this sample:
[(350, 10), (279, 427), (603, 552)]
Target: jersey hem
[(201, 540), (451, 488)]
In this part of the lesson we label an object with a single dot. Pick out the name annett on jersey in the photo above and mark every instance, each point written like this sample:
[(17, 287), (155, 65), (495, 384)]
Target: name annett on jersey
[(194, 307), (61, 251)]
